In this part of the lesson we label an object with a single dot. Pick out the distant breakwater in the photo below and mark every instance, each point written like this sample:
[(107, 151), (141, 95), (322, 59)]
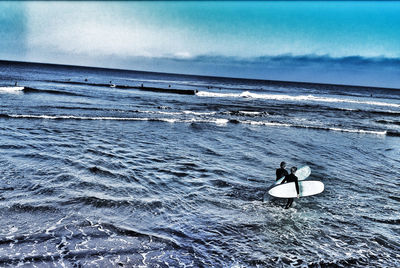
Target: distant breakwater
[(142, 88)]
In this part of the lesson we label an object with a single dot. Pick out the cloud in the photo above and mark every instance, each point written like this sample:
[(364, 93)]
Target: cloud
[(240, 39), (103, 29), (163, 29)]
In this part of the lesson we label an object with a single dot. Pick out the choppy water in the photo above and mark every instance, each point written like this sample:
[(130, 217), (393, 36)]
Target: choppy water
[(93, 175)]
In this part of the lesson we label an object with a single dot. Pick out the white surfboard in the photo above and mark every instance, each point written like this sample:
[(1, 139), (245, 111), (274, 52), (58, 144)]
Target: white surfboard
[(288, 190), (302, 174)]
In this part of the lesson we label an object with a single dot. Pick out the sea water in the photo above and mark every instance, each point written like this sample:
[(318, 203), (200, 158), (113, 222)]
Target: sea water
[(94, 175)]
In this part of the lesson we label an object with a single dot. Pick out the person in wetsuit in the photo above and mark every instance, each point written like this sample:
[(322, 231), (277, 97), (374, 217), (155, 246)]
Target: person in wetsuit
[(292, 178), (281, 172)]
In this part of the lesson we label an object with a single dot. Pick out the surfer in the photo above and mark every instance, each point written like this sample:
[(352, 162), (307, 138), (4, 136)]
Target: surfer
[(292, 178), (281, 172)]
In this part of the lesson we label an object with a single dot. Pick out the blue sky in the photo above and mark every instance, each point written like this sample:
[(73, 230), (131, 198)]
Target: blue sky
[(267, 40)]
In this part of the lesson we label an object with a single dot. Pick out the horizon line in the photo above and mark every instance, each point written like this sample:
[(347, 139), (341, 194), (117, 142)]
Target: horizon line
[(270, 81)]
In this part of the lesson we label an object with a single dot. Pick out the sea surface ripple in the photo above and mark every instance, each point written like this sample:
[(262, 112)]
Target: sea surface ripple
[(95, 175)]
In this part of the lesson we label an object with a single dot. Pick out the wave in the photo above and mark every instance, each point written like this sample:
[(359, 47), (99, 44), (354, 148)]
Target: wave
[(277, 124), (394, 198), (14, 89), (73, 117), (393, 133), (185, 112), (387, 221), (247, 113), (33, 208), (217, 121), (388, 122), (282, 97), (199, 113), (390, 113), (97, 202), (232, 112)]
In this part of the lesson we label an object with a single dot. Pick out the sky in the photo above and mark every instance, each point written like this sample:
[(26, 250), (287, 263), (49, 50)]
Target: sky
[(335, 42)]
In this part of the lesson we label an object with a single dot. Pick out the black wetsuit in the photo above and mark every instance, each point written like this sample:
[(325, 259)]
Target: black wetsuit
[(291, 178), (281, 172)]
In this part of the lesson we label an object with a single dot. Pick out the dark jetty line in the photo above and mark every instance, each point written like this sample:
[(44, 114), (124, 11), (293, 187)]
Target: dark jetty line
[(162, 90), (142, 88), (36, 90)]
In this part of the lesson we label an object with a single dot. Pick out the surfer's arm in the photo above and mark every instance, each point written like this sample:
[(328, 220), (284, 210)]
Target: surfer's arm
[(297, 187)]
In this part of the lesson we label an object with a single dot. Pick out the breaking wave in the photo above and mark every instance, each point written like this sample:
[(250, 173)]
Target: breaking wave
[(217, 121), (11, 89), (298, 98)]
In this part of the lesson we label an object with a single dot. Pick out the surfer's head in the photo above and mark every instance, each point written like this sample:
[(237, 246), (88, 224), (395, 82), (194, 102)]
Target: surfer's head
[(293, 170), (283, 164)]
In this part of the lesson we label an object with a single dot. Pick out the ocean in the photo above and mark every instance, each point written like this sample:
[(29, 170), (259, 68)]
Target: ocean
[(114, 168)]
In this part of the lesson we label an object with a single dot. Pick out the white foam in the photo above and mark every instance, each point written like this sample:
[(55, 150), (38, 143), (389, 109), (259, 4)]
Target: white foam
[(199, 113), (11, 89), (360, 131), (249, 112), (282, 97), (169, 120), (221, 121), (55, 117), (262, 123), (216, 95), (178, 113), (13, 229), (160, 112), (217, 121)]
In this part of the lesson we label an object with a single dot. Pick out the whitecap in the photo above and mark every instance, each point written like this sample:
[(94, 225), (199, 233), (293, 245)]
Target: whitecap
[(199, 113), (11, 89), (221, 121), (282, 97)]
